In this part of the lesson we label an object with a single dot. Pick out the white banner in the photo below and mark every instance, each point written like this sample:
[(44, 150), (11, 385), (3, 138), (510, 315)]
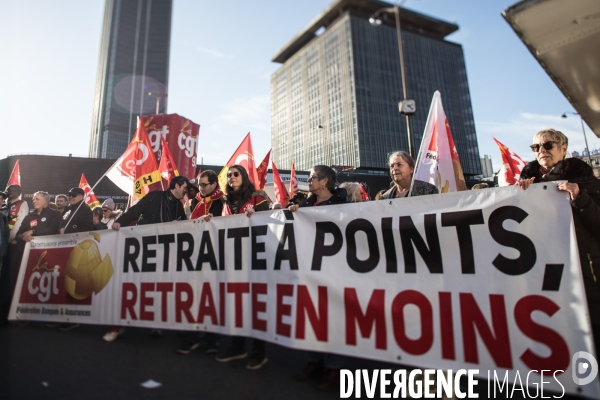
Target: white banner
[(486, 280)]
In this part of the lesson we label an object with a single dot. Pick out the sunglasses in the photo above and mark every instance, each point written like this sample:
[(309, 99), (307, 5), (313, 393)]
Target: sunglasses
[(310, 178), (105, 210), (548, 146), (230, 174), (74, 195)]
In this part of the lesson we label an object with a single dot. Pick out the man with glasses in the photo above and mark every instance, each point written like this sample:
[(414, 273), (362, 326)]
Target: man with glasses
[(79, 216)]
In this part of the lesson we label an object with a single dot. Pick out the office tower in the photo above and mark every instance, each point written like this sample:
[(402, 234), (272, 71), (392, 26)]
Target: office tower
[(486, 166), (334, 100), (133, 71)]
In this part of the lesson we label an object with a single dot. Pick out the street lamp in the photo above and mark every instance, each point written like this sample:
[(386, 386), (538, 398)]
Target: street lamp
[(158, 95), (407, 106), (587, 148)]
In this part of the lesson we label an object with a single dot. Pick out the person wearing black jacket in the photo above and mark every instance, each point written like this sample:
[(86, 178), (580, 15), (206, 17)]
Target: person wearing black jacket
[(79, 216), (42, 221), (158, 206)]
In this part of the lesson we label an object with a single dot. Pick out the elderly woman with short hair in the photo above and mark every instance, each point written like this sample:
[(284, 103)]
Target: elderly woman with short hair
[(402, 167), (551, 164)]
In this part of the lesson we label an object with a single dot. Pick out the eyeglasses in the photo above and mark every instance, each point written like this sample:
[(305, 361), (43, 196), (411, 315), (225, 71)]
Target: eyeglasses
[(203, 185), (73, 195), (230, 174), (548, 146), (310, 178)]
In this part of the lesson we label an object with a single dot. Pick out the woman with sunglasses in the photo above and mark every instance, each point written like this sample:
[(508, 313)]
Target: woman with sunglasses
[(321, 184), (243, 198), (551, 164)]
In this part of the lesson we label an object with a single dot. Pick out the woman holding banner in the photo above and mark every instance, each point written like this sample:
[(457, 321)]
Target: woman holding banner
[(243, 198), (321, 184), (402, 167), (576, 177)]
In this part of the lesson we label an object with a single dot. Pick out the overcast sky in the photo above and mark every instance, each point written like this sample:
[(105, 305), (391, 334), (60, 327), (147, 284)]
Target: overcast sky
[(220, 70)]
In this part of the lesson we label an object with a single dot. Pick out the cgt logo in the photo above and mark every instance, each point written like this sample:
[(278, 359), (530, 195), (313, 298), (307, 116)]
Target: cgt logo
[(66, 275), (585, 368)]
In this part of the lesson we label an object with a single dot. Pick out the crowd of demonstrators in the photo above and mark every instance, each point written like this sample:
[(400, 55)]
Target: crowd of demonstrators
[(575, 177)]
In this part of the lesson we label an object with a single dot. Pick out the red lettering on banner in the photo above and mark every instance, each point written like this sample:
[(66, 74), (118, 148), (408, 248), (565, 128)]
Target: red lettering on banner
[(183, 306), (146, 301), (446, 326), (128, 304), (305, 306), (207, 305), (258, 306), (282, 309), (559, 351), (373, 317), (496, 342), (164, 288), (413, 346), (238, 289), (222, 304)]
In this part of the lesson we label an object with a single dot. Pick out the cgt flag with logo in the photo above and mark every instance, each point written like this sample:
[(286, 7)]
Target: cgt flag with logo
[(90, 198), (454, 281)]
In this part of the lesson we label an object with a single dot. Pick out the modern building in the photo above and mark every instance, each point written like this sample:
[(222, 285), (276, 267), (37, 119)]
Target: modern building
[(335, 99), (133, 71), (486, 166)]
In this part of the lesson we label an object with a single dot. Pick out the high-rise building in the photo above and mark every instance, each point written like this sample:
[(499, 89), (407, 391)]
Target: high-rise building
[(335, 99), (133, 71), (486, 166)]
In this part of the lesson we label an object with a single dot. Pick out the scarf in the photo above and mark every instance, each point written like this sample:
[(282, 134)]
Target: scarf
[(204, 203)]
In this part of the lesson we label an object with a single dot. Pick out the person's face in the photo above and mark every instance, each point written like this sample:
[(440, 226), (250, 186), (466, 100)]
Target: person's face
[(39, 202), (1, 201), (206, 188), (13, 193), (106, 212), (234, 178), (549, 158), (180, 191), (192, 192), (400, 171), (75, 198), (95, 219), (61, 202), (315, 183)]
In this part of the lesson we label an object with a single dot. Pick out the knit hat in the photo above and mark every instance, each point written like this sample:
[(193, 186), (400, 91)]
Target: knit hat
[(109, 203)]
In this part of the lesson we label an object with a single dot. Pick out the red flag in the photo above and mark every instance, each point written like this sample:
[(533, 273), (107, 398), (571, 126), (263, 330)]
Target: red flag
[(263, 170), (199, 173), (15, 176), (90, 198), (168, 169), (512, 165), (363, 193), (136, 169), (244, 156), (293, 181), (281, 195)]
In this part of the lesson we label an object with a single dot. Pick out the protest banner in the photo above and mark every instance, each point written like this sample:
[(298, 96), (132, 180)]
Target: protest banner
[(480, 280)]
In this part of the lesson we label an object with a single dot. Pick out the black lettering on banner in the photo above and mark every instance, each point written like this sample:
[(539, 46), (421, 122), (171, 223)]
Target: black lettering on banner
[(206, 253), (354, 262), (552, 276), (289, 254), (221, 249), (321, 250), (237, 234), (130, 257), (258, 247), (148, 253), (409, 235), (463, 220), (185, 255), (391, 264), (166, 241), (518, 241)]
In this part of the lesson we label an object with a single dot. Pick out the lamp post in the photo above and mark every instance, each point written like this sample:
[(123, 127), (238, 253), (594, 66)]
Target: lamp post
[(158, 95), (587, 148), (407, 106)]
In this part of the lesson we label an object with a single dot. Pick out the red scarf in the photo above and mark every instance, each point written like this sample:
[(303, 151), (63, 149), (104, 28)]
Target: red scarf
[(203, 207), (250, 204)]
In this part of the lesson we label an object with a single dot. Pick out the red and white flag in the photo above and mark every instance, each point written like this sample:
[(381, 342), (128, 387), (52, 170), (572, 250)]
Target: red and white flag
[(281, 194), (90, 198), (263, 171), (168, 169), (363, 193), (512, 165), (136, 169), (15, 176), (244, 156), (437, 162), (293, 181)]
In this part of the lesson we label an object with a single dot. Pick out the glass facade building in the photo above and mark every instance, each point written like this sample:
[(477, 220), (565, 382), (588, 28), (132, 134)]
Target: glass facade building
[(335, 99), (134, 61)]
